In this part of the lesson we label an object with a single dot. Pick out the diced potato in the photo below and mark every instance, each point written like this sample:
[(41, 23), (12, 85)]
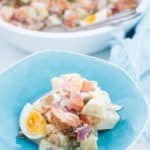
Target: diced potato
[(102, 95), (89, 144), (56, 83), (52, 131), (42, 12), (25, 1), (32, 13), (55, 20), (95, 107), (112, 1), (72, 82), (109, 122), (64, 140), (81, 12), (38, 12), (45, 145)]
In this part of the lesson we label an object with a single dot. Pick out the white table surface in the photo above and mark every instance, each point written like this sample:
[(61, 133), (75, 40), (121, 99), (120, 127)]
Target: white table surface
[(10, 54)]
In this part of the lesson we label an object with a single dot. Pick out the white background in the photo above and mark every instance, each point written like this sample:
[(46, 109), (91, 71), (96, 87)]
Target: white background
[(10, 54)]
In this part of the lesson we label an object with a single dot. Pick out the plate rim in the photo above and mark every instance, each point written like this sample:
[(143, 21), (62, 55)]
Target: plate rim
[(100, 60)]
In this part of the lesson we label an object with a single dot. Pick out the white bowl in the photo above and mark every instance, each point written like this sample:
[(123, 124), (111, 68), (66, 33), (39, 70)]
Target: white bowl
[(89, 41)]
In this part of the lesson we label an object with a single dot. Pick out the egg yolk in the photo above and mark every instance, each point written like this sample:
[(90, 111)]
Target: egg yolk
[(90, 19), (36, 123)]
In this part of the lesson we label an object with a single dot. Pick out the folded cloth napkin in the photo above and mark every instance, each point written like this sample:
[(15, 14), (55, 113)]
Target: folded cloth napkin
[(134, 56)]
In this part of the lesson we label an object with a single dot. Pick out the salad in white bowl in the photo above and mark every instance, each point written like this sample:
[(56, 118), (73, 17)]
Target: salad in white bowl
[(30, 30), (44, 14), (70, 115)]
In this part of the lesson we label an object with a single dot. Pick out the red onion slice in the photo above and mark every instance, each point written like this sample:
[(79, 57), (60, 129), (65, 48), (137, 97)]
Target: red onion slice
[(82, 132)]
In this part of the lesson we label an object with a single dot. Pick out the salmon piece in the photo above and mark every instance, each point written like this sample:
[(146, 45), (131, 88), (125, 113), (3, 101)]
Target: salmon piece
[(76, 102), (111, 12), (64, 121), (1, 2), (7, 13), (87, 86), (48, 99), (58, 6), (46, 103), (15, 3), (54, 139), (21, 14), (90, 5), (72, 82), (64, 4), (71, 18), (45, 109), (91, 120), (123, 5)]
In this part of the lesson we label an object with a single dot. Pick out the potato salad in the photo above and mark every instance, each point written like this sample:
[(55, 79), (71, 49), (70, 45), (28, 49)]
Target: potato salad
[(70, 115), (45, 14)]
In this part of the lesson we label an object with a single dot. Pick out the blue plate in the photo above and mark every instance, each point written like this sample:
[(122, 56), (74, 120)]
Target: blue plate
[(30, 79)]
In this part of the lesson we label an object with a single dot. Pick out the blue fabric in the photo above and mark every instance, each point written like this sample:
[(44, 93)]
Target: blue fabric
[(134, 55)]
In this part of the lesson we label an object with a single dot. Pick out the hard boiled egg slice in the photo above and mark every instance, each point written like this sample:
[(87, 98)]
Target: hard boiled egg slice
[(94, 18), (32, 123)]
